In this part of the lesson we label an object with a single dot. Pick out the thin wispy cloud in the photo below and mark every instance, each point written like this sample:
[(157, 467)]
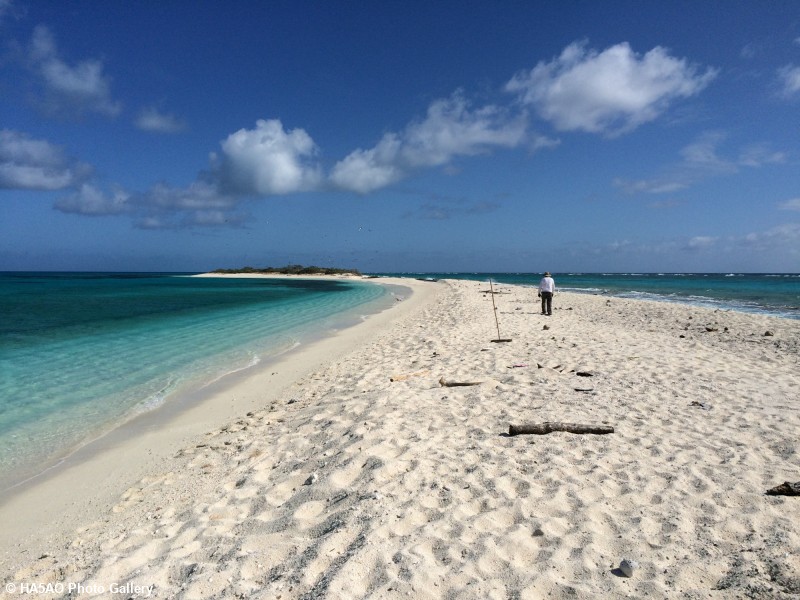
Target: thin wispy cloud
[(700, 160), (69, 89), (701, 242), (783, 238), (609, 92), (30, 164), (8, 10), (649, 186), (789, 81), (152, 119), (702, 156), (443, 210), (793, 204), (757, 155)]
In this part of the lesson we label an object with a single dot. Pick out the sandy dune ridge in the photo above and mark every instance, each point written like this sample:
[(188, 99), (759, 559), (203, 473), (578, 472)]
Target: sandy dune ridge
[(368, 479)]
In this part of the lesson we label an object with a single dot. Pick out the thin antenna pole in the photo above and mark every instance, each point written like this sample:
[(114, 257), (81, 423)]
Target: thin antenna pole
[(496, 322)]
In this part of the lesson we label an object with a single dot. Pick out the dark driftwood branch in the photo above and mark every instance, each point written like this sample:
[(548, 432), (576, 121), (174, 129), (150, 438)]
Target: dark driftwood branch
[(445, 383), (785, 489), (549, 427)]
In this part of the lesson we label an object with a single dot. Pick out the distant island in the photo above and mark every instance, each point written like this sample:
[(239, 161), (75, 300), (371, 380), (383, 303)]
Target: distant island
[(291, 270)]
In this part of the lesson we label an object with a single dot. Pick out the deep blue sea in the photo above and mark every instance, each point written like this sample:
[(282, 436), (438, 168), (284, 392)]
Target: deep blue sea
[(775, 294), (81, 353)]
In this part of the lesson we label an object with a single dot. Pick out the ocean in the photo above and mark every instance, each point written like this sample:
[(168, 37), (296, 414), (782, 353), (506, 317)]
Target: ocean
[(81, 353), (774, 294)]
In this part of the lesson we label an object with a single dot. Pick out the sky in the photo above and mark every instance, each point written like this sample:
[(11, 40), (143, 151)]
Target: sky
[(400, 136)]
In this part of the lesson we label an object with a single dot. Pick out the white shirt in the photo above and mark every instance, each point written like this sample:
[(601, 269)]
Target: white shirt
[(547, 285)]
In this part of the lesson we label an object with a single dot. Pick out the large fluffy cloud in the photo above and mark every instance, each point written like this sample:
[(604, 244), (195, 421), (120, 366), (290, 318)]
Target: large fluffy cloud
[(31, 164), (609, 92), (269, 160), (450, 129), (69, 89)]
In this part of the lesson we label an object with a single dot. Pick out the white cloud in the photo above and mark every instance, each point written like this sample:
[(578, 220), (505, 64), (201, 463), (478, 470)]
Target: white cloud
[(90, 200), (610, 92), (757, 155), (699, 160), (652, 186), (199, 195), (749, 51), (263, 161), (30, 164), (701, 155), (151, 119), (783, 240), (161, 207), (700, 242), (364, 171), (789, 80), (450, 129), (268, 160), (793, 204), (78, 88), (215, 218)]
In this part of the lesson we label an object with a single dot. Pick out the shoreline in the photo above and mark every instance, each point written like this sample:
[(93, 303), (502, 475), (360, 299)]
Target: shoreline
[(185, 394), (364, 477), (118, 457), (645, 286)]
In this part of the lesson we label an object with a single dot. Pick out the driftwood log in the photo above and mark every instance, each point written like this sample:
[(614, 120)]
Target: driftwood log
[(785, 489), (444, 383), (549, 427)]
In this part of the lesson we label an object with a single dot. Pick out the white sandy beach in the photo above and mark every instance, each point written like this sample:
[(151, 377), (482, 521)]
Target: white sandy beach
[(352, 473)]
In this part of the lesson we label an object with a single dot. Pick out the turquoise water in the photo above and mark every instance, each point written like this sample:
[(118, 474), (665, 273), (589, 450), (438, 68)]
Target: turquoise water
[(81, 353), (776, 294)]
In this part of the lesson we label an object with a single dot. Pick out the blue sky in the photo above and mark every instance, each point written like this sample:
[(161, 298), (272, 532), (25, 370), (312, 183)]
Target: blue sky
[(400, 136)]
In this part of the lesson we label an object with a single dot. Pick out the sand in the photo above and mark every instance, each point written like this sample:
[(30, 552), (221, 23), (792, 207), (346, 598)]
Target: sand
[(364, 477)]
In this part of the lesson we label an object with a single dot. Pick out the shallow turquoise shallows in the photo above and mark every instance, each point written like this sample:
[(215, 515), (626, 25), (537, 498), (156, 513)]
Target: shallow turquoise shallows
[(83, 352)]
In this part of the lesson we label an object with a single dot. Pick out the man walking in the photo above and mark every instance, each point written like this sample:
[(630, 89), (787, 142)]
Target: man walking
[(547, 288)]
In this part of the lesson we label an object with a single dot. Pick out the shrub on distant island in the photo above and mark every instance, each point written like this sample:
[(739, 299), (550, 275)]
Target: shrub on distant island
[(291, 270)]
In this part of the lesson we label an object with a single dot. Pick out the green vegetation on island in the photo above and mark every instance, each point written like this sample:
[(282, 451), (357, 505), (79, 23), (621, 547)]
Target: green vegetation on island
[(291, 270)]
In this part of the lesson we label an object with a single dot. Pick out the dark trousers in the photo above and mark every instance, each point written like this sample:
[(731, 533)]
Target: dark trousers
[(547, 303)]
